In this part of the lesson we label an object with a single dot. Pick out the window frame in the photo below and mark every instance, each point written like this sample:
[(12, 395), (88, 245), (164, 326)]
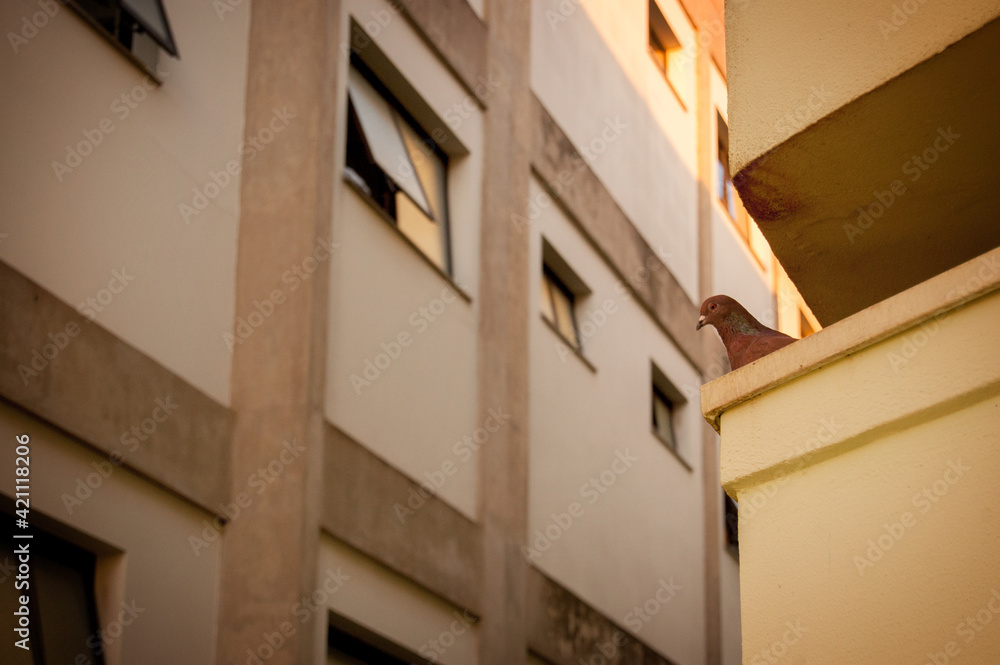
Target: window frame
[(352, 176), (666, 43), (122, 38), (661, 387)]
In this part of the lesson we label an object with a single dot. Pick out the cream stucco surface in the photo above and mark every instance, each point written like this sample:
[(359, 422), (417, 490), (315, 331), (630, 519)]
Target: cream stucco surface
[(633, 131), (410, 402), (866, 481), (170, 589), (391, 606), (642, 519), (144, 151), (776, 92)]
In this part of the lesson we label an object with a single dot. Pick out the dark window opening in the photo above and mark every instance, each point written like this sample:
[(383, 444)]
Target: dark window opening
[(394, 162), (559, 307), (663, 418), (139, 27), (732, 525), (62, 605)]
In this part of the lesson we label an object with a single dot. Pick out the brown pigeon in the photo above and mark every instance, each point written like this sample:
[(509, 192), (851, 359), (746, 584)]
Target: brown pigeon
[(746, 338)]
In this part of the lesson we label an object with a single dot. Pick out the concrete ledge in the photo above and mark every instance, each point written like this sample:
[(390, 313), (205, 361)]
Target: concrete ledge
[(567, 178), (564, 630), (377, 509), (163, 428), (452, 29), (886, 368)]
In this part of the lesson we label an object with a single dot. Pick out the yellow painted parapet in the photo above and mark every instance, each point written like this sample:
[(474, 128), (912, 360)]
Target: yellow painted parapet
[(866, 463)]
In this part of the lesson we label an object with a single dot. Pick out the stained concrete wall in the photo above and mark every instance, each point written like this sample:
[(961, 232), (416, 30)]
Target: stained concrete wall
[(641, 138), (169, 588), (143, 151), (591, 421)]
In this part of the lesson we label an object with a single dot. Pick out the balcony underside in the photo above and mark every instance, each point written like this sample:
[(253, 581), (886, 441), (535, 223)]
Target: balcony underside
[(890, 189)]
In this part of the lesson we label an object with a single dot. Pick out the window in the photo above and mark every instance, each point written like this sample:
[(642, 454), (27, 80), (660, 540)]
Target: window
[(731, 513), (557, 307), (664, 48), (345, 648), (724, 189), (139, 27), (396, 164), (663, 418), (62, 602), (665, 404), (805, 329), (562, 290)]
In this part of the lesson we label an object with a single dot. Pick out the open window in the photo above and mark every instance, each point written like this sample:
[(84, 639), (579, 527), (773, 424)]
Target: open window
[(562, 290), (665, 405), (137, 27), (665, 49), (395, 163)]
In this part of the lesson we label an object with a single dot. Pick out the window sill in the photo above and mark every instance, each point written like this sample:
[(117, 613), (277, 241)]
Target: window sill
[(670, 85), (353, 186), (673, 451), (568, 344)]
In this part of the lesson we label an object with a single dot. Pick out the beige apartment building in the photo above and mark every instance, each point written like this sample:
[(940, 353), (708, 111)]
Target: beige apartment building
[(356, 331)]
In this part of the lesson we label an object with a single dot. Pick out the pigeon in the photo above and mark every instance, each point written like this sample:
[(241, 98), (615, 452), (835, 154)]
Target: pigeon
[(746, 338)]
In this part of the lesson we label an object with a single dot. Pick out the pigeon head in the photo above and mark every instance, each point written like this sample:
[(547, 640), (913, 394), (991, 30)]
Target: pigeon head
[(719, 309)]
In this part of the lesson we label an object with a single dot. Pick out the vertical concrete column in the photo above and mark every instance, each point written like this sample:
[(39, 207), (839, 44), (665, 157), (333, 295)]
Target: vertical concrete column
[(279, 361), (709, 439), (503, 336)]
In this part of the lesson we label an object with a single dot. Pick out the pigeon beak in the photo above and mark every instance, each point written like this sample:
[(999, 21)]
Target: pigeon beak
[(701, 322)]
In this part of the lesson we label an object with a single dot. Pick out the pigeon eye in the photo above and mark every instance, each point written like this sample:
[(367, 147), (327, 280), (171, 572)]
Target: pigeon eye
[(712, 306)]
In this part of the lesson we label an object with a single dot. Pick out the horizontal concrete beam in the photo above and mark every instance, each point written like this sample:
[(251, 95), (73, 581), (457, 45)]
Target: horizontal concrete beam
[(59, 366), (453, 30), (590, 206), (564, 630), (378, 510)]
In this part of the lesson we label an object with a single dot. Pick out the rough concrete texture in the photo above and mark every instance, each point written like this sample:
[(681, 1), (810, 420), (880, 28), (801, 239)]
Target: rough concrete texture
[(378, 510), (51, 358)]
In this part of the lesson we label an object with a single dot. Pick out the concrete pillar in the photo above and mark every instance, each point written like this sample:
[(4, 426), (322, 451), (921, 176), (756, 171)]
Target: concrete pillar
[(503, 336), (269, 550)]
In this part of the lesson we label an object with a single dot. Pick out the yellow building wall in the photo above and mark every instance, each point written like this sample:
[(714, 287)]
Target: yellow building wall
[(865, 460)]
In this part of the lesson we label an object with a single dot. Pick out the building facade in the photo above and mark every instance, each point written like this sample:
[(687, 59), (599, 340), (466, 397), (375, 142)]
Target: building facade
[(359, 331)]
